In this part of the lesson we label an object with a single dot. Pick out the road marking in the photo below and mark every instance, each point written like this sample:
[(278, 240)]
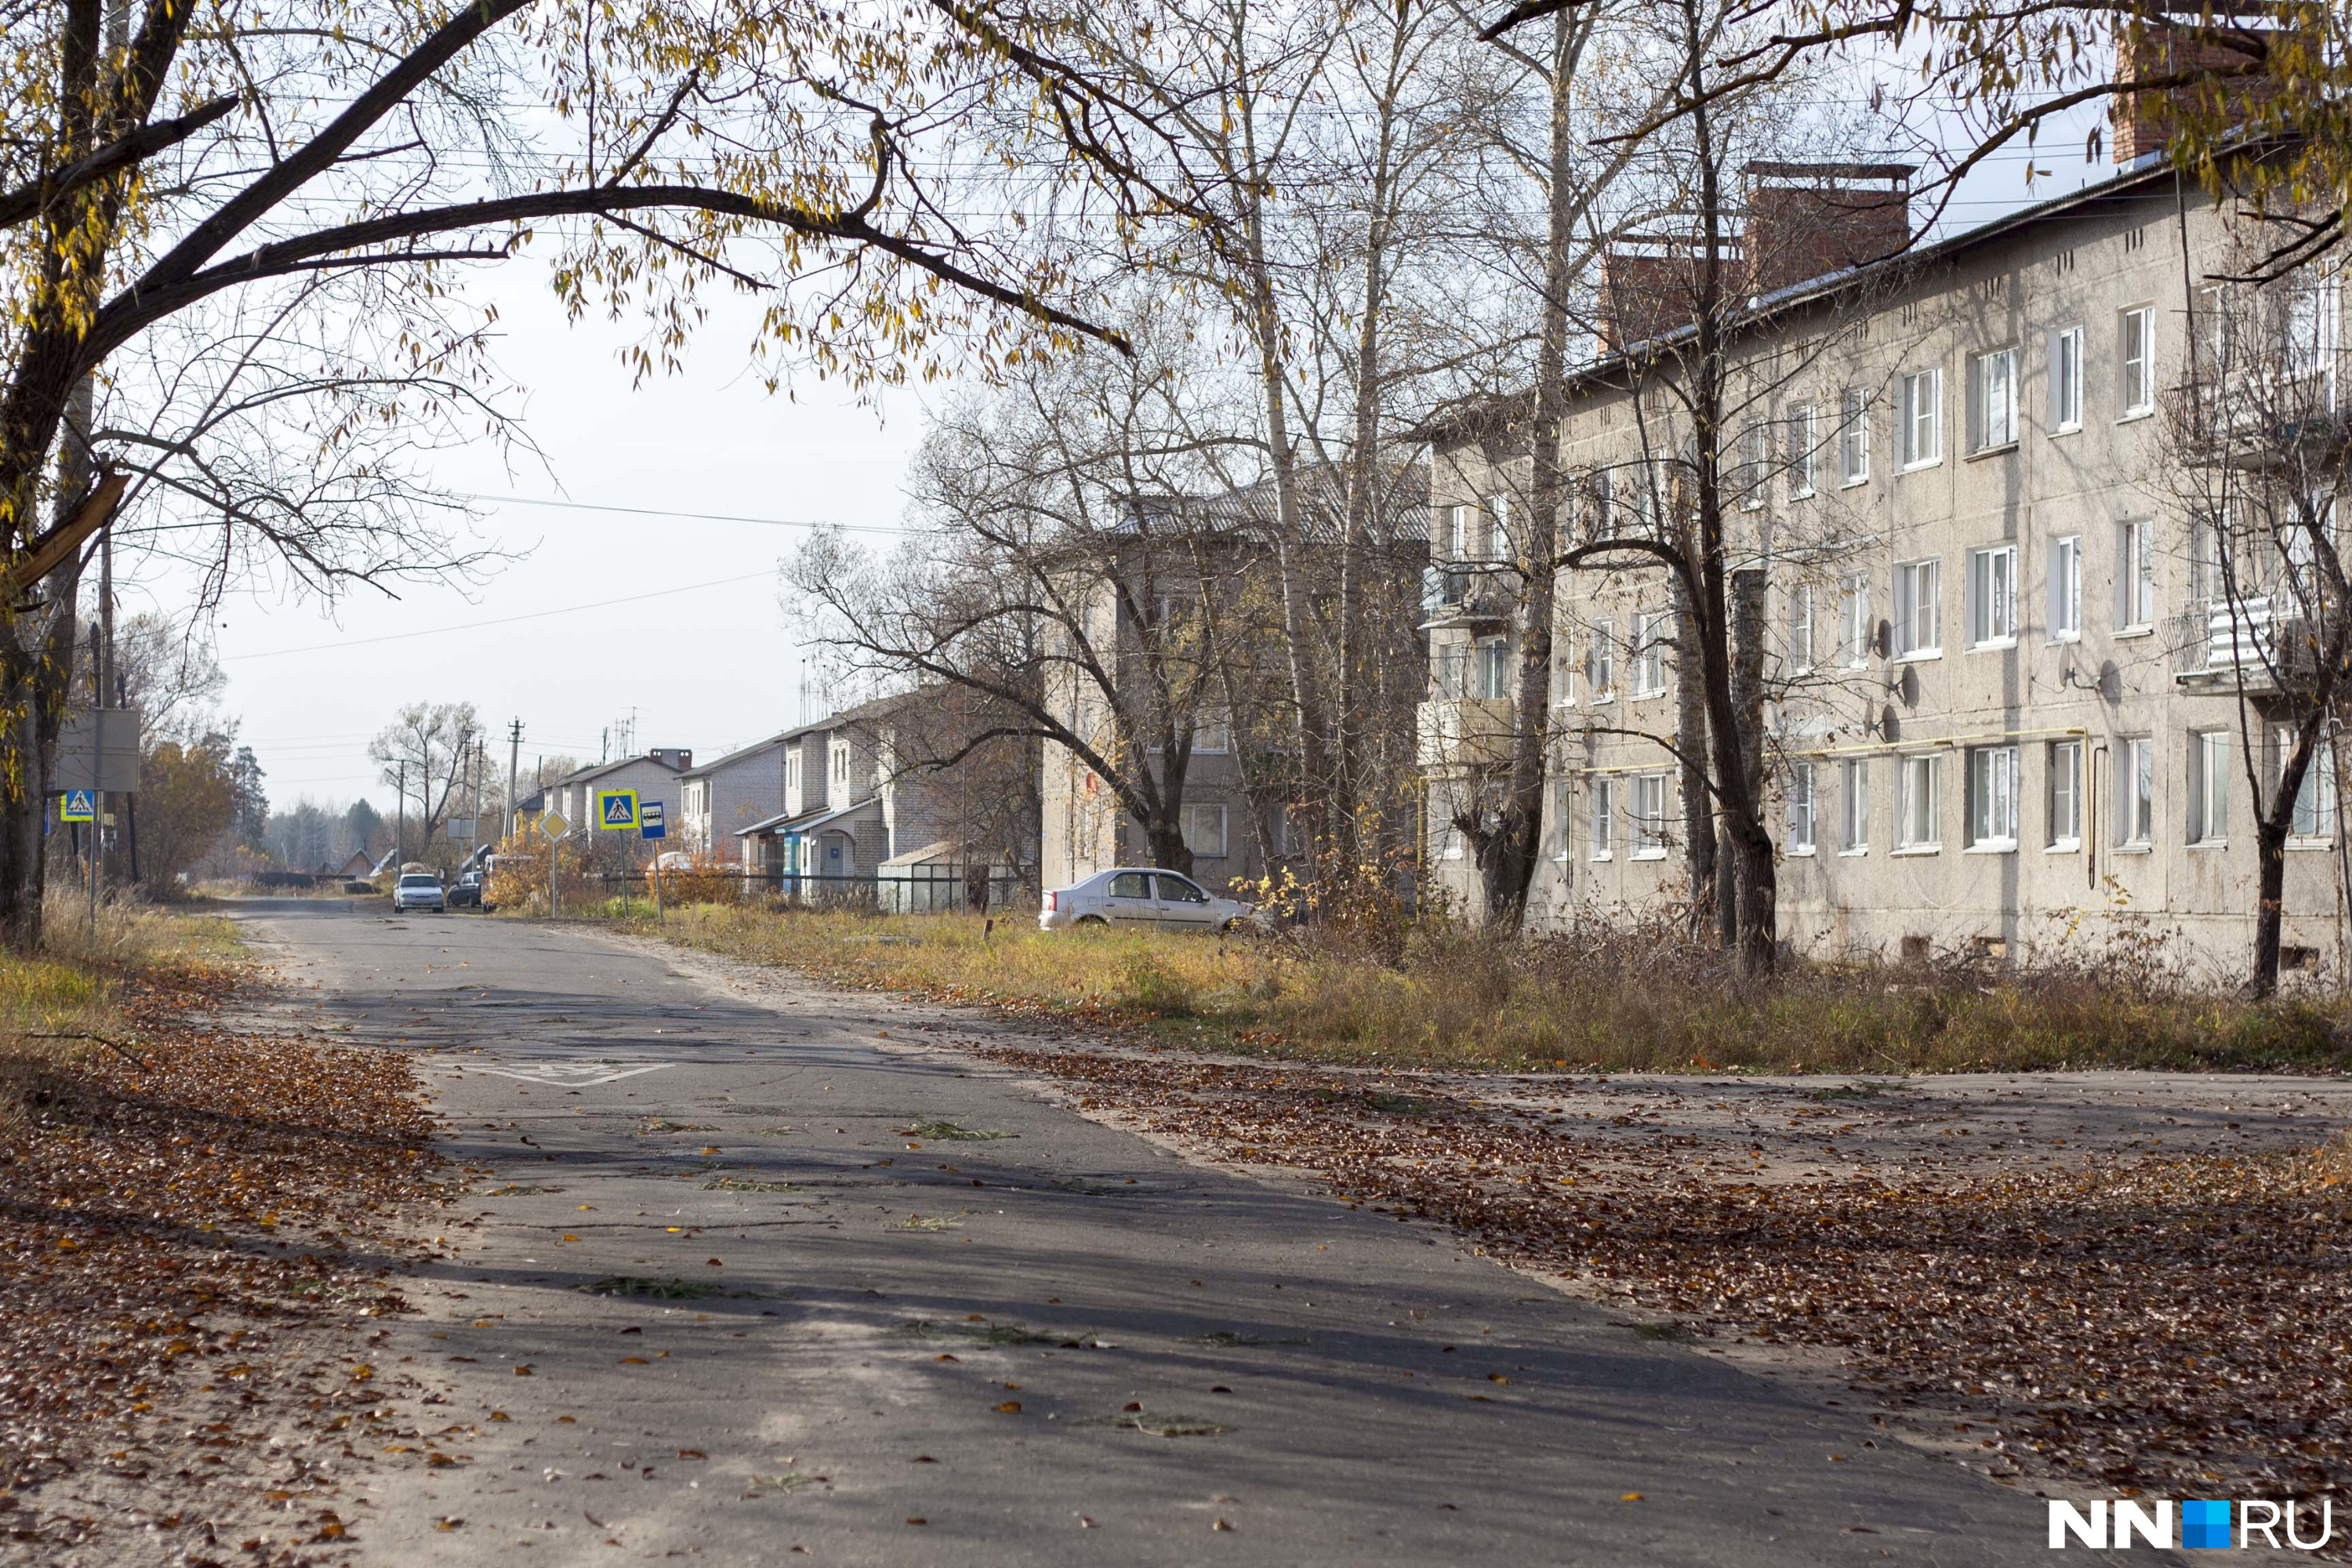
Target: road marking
[(566, 1075)]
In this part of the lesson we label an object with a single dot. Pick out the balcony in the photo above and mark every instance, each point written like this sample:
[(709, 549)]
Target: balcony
[(1460, 593), (2270, 651), (1467, 732)]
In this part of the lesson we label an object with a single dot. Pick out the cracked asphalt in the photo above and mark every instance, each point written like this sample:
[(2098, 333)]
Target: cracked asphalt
[(739, 1286)]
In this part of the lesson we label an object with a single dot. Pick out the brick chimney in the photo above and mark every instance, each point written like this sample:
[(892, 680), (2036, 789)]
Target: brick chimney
[(2144, 121), (1649, 287), (1808, 220)]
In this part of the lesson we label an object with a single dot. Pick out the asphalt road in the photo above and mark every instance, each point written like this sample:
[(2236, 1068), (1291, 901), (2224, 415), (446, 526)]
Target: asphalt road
[(1058, 1345)]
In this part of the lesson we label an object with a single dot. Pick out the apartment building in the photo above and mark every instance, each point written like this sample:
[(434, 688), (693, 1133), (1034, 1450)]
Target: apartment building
[(654, 775), (2004, 684)]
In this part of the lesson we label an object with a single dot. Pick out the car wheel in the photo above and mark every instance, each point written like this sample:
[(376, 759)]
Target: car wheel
[(1091, 921)]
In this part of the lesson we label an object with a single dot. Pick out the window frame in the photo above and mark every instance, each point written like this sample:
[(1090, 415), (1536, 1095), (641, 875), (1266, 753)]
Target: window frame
[(2063, 765), (1993, 773), (1982, 632), (1602, 806), (1648, 656), (1804, 460), (1490, 657), (2067, 361), (1853, 806), (2135, 575), (2136, 795), (2136, 346), (1914, 770), (2325, 810), (1600, 662), (2209, 789), (1649, 828), (1853, 437), (1804, 805), (1800, 630), (1857, 637), (1917, 419), (1993, 429), (2063, 589), (1909, 601)]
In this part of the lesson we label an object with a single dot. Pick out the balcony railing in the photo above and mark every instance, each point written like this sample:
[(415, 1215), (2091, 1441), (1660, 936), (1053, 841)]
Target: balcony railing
[(1466, 731), (2249, 641), (1456, 593)]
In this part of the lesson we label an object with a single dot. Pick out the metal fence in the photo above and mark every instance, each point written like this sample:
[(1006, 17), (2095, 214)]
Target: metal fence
[(910, 890)]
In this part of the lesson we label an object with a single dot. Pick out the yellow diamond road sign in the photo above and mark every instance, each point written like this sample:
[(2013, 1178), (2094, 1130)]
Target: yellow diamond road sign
[(617, 808), (552, 825)]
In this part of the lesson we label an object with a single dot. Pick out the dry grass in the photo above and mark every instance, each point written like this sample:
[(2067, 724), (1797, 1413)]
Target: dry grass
[(59, 1008), (1611, 998)]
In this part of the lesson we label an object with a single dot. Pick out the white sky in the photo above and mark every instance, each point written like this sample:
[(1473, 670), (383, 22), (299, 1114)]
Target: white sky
[(709, 667)]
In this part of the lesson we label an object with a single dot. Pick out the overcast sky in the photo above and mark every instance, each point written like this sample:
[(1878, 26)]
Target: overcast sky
[(702, 657)]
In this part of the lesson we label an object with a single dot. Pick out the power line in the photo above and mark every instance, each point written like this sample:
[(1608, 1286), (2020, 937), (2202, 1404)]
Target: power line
[(501, 620), (693, 516)]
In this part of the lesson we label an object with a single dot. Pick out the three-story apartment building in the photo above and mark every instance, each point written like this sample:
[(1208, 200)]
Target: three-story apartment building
[(2004, 689)]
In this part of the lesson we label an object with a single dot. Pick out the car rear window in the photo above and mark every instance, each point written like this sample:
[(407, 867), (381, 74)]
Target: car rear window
[(1182, 891), (416, 881)]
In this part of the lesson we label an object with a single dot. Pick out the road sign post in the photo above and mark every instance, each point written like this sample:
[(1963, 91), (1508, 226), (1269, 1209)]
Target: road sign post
[(552, 827), (653, 825)]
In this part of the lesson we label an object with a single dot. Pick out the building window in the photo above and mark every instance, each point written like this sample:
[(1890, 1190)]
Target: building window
[(2312, 307), (1755, 465), (1800, 808), (2135, 793), (1497, 545), (1453, 671), (792, 770), (1919, 609), (1923, 418), (1992, 399), (1853, 806), (2137, 362), (1992, 798), (2135, 575), (2314, 803), (2209, 788), (1602, 661), (1854, 637), (2066, 794), (1563, 663), (1211, 733), (1604, 817), (2066, 379), (1494, 669), (1563, 810), (1649, 655), (1649, 817), (2066, 588), (1204, 831), (1801, 628), (1915, 804), (1277, 828), (1604, 495), (1457, 534), (1992, 596), (1805, 450), (1853, 436)]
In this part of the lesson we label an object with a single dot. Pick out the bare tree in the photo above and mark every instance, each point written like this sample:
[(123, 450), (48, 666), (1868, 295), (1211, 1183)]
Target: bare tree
[(425, 754)]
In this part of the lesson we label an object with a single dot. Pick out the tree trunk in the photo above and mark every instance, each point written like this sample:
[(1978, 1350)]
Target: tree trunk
[(1690, 740), (2270, 895), (1758, 932)]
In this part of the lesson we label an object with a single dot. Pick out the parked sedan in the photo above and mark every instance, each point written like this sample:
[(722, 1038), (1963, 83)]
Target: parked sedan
[(468, 893), (419, 890), (1130, 896)]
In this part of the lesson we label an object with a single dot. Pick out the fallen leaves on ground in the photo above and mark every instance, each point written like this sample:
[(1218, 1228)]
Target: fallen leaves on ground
[(160, 1218), (2179, 1326)]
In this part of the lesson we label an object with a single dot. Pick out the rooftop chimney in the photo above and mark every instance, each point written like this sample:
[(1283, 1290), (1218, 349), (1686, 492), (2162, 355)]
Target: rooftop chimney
[(2144, 121), (676, 757), (1808, 220)]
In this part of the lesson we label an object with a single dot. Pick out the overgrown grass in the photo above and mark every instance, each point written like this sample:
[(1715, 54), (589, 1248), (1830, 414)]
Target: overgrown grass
[(1609, 997)]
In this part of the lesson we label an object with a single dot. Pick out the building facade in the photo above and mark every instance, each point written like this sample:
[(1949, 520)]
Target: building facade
[(2003, 682)]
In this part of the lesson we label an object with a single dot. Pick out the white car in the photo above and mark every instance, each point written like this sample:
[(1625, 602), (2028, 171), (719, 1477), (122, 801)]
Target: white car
[(419, 890), (1140, 896)]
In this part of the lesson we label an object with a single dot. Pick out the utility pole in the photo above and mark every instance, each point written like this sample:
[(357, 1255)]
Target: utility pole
[(514, 771), (400, 823)]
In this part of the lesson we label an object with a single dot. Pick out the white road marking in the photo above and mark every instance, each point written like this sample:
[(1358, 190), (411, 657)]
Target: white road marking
[(566, 1075)]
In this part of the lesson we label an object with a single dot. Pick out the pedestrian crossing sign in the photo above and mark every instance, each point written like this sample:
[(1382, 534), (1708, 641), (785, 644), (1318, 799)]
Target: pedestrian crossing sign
[(78, 806), (617, 808)]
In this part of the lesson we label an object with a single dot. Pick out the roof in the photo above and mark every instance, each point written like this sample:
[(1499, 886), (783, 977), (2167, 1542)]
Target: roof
[(786, 822), (601, 769), (740, 754), (2145, 174)]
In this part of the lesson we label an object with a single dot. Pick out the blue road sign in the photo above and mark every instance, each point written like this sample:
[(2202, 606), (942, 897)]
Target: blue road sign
[(650, 820), (617, 808), (78, 806)]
